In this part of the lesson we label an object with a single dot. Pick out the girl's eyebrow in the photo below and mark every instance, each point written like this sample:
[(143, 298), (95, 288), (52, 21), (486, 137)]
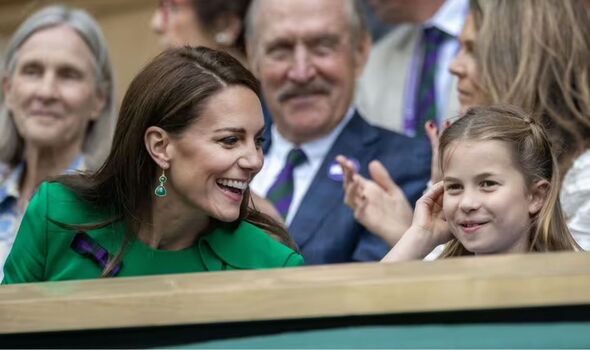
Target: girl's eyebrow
[(477, 177), (449, 178)]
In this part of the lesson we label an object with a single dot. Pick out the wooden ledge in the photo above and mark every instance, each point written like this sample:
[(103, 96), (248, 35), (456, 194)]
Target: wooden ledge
[(534, 280)]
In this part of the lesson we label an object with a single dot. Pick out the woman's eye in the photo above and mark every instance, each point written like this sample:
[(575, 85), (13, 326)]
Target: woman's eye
[(229, 141), (260, 141), (31, 70), (70, 74)]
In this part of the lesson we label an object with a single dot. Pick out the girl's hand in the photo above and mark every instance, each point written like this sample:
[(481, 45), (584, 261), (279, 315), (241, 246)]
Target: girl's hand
[(429, 228), (429, 215), (378, 204)]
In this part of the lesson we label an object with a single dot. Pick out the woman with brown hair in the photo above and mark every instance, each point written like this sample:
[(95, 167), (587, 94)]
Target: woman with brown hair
[(173, 194)]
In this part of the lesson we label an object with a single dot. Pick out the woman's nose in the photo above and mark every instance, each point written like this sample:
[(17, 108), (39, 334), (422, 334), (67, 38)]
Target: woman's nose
[(47, 87), (252, 160), (457, 67)]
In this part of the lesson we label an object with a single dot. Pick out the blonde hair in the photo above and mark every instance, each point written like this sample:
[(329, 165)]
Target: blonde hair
[(532, 155), (534, 54)]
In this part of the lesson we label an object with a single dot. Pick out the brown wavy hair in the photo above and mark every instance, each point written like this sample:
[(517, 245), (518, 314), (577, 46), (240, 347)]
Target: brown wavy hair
[(170, 92), (532, 154), (534, 54)]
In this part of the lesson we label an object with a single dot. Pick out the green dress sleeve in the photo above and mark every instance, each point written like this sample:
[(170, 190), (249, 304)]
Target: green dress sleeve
[(294, 260), (26, 261)]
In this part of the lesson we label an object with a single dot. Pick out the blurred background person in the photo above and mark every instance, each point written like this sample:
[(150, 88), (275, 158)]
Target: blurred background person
[(217, 24), (149, 210), (57, 107), (547, 73), (532, 54), (406, 82), (308, 56)]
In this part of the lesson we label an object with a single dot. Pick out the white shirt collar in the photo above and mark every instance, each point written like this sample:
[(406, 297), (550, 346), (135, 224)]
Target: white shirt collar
[(314, 150), (450, 18)]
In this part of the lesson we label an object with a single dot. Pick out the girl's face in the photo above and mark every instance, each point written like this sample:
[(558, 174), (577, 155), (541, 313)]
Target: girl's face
[(465, 68), (486, 201)]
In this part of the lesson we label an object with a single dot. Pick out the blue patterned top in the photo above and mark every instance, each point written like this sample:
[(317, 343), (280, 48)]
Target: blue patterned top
[(10, 213)]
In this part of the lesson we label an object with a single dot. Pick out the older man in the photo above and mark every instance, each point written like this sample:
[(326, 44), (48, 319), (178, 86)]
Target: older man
[(307, 55)]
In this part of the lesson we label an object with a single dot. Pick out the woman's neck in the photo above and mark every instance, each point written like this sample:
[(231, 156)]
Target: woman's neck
[(173, 228), (41, 163)]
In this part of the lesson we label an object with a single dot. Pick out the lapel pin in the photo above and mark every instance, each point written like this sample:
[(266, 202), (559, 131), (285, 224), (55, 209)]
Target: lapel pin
[(335, 171)]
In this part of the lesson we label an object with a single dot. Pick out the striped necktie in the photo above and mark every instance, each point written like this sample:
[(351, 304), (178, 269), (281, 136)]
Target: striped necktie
[(281, 191), (425, 107)]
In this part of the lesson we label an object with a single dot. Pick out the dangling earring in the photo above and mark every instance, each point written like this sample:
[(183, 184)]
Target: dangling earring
[(222, 38), (161, 190)]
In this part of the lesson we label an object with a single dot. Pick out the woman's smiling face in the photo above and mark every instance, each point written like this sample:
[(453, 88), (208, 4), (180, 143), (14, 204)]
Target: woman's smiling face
[(52, 93), (214, 159)]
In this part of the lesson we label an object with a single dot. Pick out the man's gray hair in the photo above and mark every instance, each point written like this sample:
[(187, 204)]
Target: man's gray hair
[(355, 10), (98, 139)]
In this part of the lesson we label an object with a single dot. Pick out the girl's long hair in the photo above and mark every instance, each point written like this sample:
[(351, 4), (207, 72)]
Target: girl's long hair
[(533, 156)]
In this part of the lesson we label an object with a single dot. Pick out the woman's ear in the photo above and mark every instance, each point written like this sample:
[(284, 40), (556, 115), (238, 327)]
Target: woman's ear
[(226, 29), (98, 105), (538, 195), (6, 86), (158, 144)]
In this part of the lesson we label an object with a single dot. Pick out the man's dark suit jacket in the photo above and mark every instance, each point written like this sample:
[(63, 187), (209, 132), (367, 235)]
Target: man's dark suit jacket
[(324, 227)]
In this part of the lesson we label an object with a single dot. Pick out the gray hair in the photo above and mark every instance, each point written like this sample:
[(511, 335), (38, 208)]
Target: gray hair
[(356, 15), (100, 133)]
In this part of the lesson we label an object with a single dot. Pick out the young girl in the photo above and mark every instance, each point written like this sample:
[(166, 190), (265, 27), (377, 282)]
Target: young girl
[(499, 194)]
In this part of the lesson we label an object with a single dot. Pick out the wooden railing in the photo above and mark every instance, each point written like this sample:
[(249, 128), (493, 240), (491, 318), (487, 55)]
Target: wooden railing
[(534, 280)]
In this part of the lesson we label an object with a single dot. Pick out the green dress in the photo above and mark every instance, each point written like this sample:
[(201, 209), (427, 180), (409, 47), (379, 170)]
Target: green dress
[(42, 250)]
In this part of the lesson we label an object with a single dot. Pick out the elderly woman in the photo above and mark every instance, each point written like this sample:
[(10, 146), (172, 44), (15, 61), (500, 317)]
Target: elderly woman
[(532, 54), (173, 194), (56, 107)]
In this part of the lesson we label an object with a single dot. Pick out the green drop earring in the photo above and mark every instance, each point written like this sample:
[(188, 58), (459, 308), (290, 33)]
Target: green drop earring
[(161, 190)]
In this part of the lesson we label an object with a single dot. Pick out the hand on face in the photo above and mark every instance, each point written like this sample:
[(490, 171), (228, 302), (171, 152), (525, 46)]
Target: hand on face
[(378, 204), (429, 228), (429, 216)]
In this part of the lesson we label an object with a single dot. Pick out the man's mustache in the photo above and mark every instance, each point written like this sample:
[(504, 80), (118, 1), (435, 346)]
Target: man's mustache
[(291, 91)]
